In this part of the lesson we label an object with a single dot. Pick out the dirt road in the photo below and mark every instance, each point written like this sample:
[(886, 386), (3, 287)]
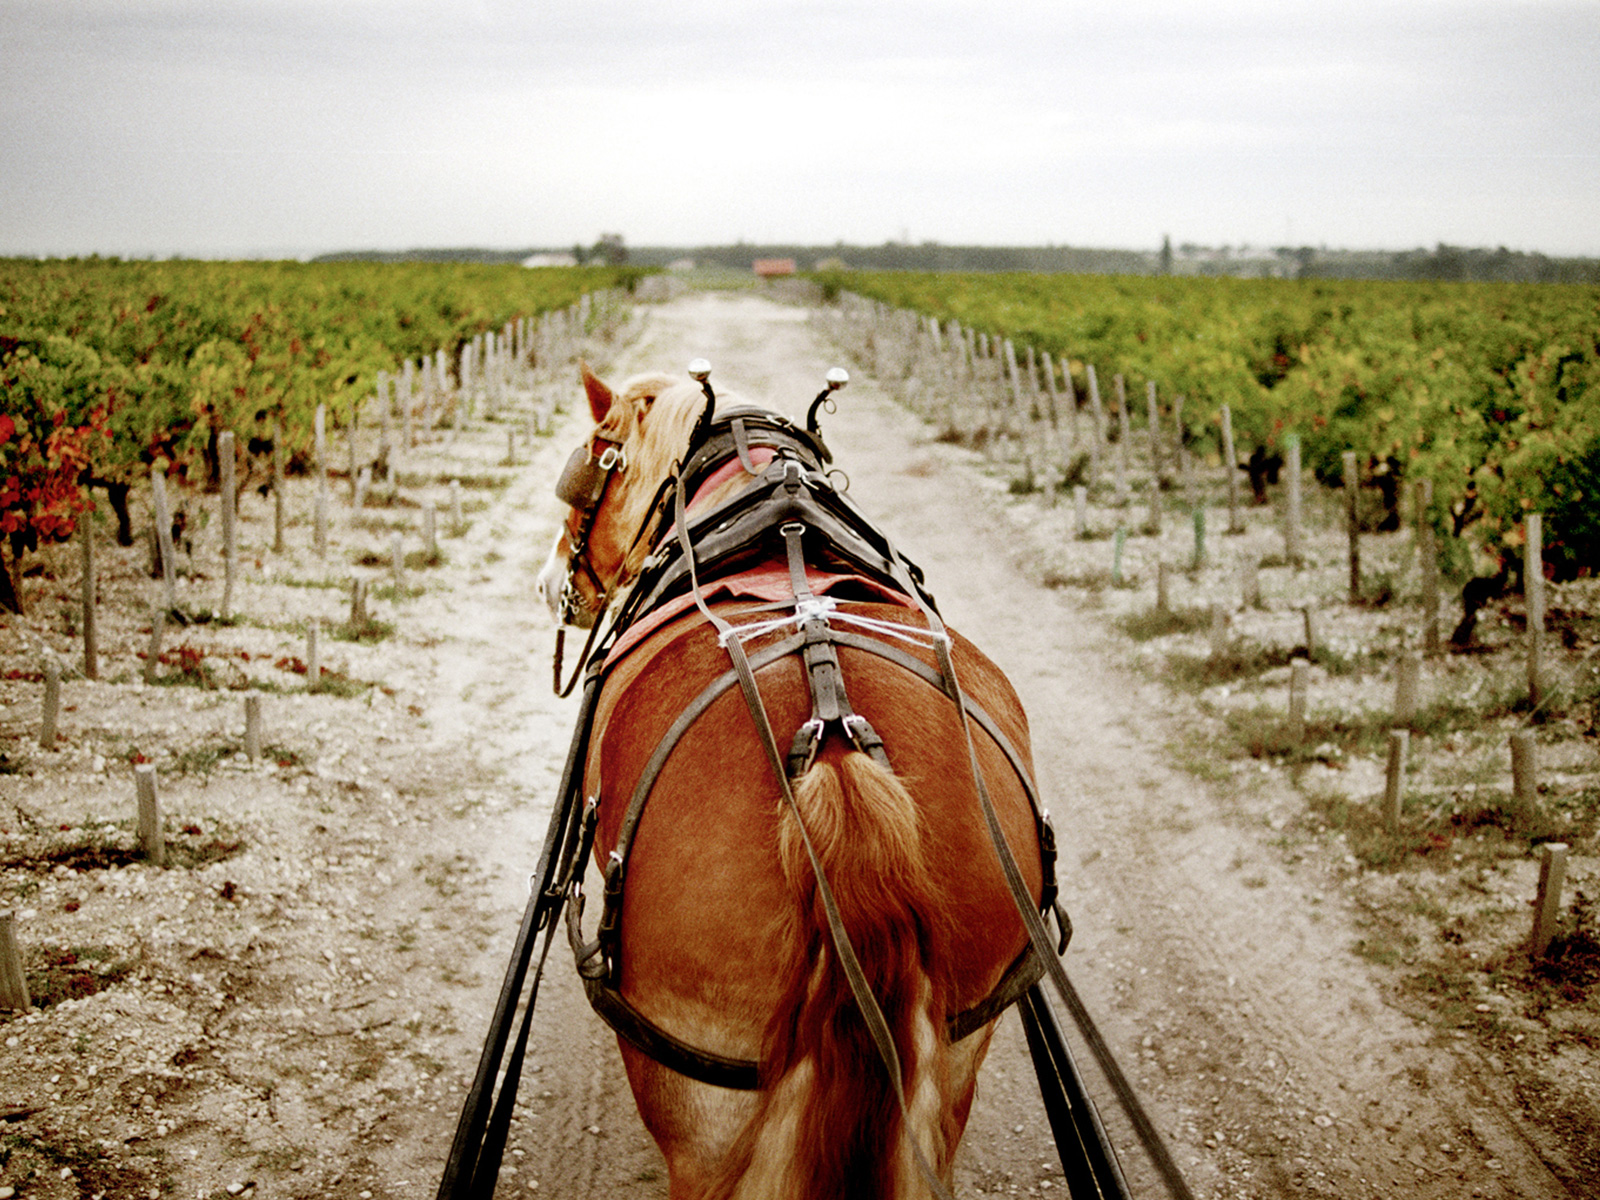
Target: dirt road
[(319, 1015)]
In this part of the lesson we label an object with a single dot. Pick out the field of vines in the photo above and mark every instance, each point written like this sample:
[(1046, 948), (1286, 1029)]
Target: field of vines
[(1490, 392), (110, 367)]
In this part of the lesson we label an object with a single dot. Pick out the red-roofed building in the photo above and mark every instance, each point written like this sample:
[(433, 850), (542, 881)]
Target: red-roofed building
[(771, 268)]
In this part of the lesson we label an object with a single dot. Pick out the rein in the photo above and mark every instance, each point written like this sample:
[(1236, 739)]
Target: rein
[(793, 496)]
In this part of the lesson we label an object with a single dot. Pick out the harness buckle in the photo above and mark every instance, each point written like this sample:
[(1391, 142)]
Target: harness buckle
[(803, 749), (610, 457)]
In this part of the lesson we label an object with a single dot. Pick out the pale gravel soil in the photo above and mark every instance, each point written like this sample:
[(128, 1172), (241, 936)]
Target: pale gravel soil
[(308, 1030)]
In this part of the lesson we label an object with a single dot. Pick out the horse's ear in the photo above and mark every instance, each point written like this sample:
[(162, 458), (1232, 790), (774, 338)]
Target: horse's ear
[(600, 397)]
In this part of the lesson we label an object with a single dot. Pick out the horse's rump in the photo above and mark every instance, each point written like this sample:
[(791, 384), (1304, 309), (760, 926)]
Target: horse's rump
[(709, 932)]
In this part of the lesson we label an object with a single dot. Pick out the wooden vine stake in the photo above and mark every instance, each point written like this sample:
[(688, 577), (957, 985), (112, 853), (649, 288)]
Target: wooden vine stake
[(1524, 774), (230, 532), (50, 710), (1547, 904), (457, 524), (152, 843), (1352, 522), (1163, 588), (397, 558), (1230, 464), (1097, 425), (313, 657), (1533, 587), (91, 640), (252, 727), (1080, 508), (1291, 528), (13, 983), (1299, 682), (430, 531), (1395, 782), (163, 518), (1406, 671), (320, 528), (1124, 436), (1428, 566)]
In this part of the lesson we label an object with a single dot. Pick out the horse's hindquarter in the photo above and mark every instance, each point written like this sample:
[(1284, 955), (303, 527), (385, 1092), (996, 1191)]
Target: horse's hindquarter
[(704, 893)]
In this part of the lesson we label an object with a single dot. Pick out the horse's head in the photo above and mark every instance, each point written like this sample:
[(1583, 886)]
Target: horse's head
[(609, 485)]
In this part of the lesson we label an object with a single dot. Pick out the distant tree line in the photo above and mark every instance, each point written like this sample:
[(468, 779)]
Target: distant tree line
[(1443, 263)]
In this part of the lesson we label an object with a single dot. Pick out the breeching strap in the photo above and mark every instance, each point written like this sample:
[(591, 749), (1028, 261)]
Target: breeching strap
[(860, 990)]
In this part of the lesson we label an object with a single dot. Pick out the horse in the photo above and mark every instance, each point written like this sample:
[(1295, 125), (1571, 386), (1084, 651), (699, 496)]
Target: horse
[(740, 882)]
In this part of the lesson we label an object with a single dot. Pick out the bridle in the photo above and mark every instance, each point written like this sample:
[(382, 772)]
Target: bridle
[(582, 487)]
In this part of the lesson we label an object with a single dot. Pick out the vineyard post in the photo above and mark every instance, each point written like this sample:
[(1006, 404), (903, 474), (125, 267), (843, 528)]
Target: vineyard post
[(1163, 589), (358, 603), (1048, 366), (230, 532), (397, 558), (1123, 438), (277, 486), (50, 709), (363, 483), (1230, 465), (406, 398), (91, 644), (313, 656), (1199, 537), (430, 531), (320, 533), (1352, 522), (1310, 616), (163, 516), (1153, 419), (1524, 774), (1118, 541), (1428, 564), (1395, 779), (1533, 590), (13, 982), (1154, 522), (252, 726), (1299, 679), (152, 844), (1080, 507), (1097, 432), (1547, 903), (1407, 669), (457, 524), (385, 425), (1291, 531)]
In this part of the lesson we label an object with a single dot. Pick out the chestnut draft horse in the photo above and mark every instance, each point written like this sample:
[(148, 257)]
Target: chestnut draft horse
[(778, 836)]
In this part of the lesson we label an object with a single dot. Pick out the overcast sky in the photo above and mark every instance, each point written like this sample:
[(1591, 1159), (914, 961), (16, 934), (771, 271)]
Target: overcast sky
[(249, 127)]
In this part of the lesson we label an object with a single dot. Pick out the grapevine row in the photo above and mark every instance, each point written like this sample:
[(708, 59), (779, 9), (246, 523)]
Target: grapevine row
[(109, 367), (1489, 393)]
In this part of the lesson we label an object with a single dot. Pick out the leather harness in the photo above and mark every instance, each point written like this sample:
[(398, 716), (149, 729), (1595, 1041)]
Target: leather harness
[(791, 511)]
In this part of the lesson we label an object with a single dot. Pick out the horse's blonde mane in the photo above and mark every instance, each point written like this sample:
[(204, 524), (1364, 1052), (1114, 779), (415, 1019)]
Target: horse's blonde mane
[(653, 416)]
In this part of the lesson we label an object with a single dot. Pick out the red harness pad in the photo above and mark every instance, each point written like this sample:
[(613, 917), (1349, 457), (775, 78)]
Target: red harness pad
[(767, 584)]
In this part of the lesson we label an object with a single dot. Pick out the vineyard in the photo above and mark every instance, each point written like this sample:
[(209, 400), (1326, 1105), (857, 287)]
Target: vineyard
[(109, 368), (1490, 394)]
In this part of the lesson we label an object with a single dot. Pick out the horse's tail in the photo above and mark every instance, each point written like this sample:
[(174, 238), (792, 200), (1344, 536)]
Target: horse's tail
[(829, 1122)]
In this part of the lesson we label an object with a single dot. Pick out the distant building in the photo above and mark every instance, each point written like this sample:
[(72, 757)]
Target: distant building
[(550, 260), (772, 268)]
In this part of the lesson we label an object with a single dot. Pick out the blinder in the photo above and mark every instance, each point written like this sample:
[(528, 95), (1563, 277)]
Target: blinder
[(583, 479)]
